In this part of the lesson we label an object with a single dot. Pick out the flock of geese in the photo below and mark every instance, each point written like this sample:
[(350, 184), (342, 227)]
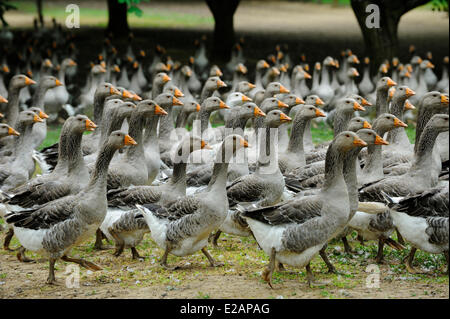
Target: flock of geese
[(141, 171)]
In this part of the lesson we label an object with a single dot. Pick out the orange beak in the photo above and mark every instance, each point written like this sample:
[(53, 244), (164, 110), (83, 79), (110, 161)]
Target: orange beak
[(159, 110), (178, 93), (5, 69), (407, 74), (135, 65), (391, 93), (319, 113), (191, 60), (265, 65), (116, 69), (355, 60), (142, 53), (283, 89), (188, 73), (380, 141), (48, 63), (90, 126), (245, 98), (318, 66), (364, 102), (197, 108), (384, 69), (366, 60), (58, 82), (12, 131), (398, 123), (136, 97), (355, 73), (128, 140), (282, 104), (444, 99), (259, 112), (409, 106), (176, 101), (244, 143), (127, 94), (251, 85), (242, 69), (37, 119), (359, 142), (430, 65), (166, 78), (410, 92), (221, 84), (390, 82), (219, 73), (1, 116), (29, 73), (275, 71), (205, 145), (42, 115), (114, 91), (3, 100), (306, 75), (358, 107), (410, 69), (367, 125), (222, 105), (299, 101), (284, 118), (283, 69), (319, 102), (72, 63)]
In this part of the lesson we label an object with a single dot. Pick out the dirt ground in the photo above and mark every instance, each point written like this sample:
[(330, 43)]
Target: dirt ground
[(123, 277)]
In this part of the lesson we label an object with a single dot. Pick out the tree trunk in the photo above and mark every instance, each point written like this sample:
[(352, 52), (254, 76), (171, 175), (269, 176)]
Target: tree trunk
[(382, 43), (223, 12), (117, 18)]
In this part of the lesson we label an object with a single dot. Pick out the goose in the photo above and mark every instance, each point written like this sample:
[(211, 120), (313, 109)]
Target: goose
[(159, 81), (6, 130), (68, 177), (188, 108), (294, 156), (200, 59), (424, 172), (194, 84), (87, 98), (373, 166), (366, 86), (131, 168), (236, 123), (381, 101), (127, 227), (17, 170), (212, 84), (56, 227), (182, 227), (271, 75), (316, 77), (283, 138), (16, 84), (429, 76), (325, 91), (60, 96), (300, 87), (296, 242), (423, 221), (442, 85), (261, 66), (422, 87)]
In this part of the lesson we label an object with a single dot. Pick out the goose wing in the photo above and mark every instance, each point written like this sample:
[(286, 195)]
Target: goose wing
[(396, 186), (296, 211), (180, 208), (33, 194), (437, 230), (432, 203), (248, 188), (45, 216), (134, 195)]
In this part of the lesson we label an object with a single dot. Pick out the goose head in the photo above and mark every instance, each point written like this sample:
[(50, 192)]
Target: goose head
[(230, 145), (434, 99), (314, 100), (186, 71), (20, 81), (172, 89), (349, 105), (188, 145), (49, 82), (438, 122), (310, 112), (250, 110), (29, 118), (191, 106), (245, 87), (402, 93), (119, 139), (161, 79), (371, 137), (106, 89), (167, 100), (148, 108), (214, 83), (39, 112), (385, 83), (426, 64), (237, 98), (262, 65), (213, 104), (360, 100), (6, 130), (272, 103), (275, 118), (386, 122), (358, 123), (276, 88), (81, 123), (215, 71), (292, 100), (348, 140)]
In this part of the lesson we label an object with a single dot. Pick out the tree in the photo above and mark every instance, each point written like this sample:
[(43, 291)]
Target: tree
[(223, 13), (382, 42), (118, 15), (4, 6)]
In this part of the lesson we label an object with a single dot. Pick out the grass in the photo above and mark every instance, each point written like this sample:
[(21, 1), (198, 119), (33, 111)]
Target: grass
[(151, 17)]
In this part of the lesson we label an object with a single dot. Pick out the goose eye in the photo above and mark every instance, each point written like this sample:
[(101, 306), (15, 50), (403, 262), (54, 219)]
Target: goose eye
[(347, 135)]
